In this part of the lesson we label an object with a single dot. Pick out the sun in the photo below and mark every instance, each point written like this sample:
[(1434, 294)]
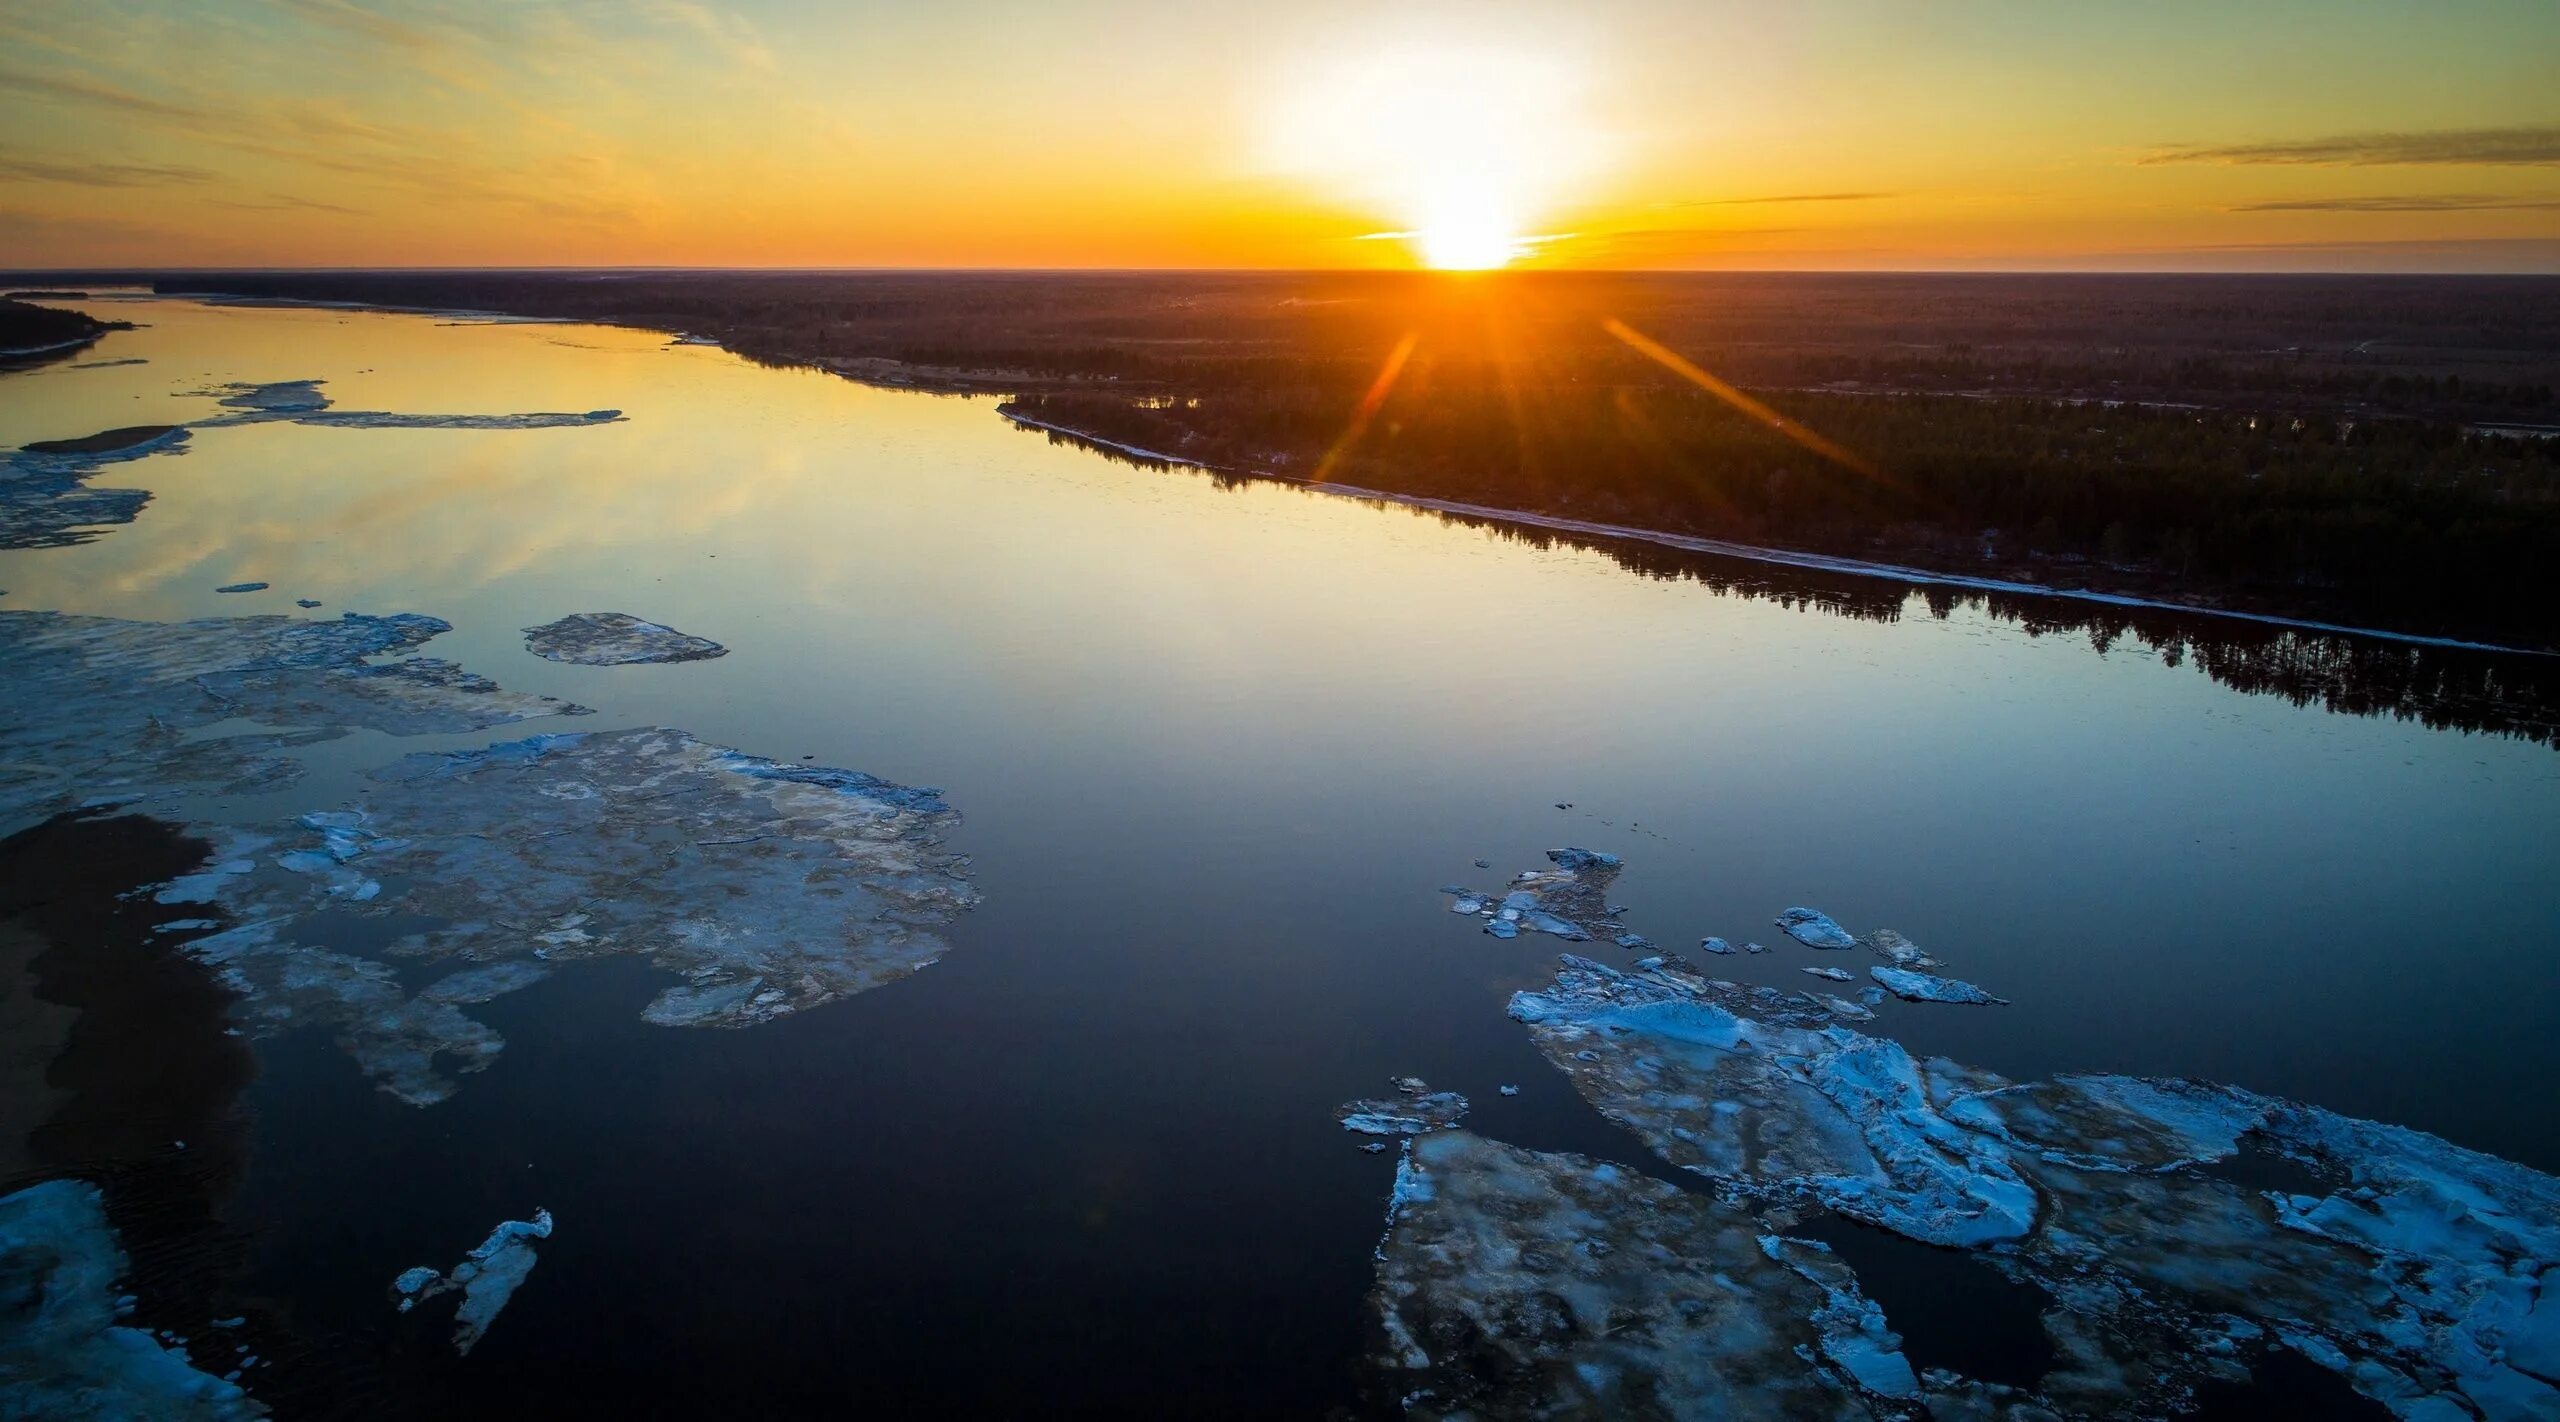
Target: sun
[(1459, 143), (1467, 246), (1473, 236)]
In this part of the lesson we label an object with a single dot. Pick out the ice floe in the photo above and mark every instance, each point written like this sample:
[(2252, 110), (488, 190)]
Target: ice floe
[(1912, 985), (1831, 974), (765, 888), (486, 1278), (302, 403), (1814, 929), (63, 1352), (612, 639)]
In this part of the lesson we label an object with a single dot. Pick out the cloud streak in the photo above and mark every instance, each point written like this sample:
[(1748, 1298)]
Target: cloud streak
[(2414, 203), (2532, 146), (15, 169)]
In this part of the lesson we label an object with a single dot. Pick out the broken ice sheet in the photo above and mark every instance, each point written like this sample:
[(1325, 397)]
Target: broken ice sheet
[(2419, 1273), (1514, 1283), (486, 1278), (62, 1351), (766, 888), (612, 639), (45, 498)]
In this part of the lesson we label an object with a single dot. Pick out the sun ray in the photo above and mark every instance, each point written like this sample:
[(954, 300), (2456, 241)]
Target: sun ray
[(1367, 409), (1690, 371)]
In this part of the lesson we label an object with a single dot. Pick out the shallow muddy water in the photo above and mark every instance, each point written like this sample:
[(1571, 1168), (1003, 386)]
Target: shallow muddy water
[(1214, 747)]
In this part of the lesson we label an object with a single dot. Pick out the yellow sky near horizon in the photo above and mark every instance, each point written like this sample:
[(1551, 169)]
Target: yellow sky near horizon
[(1141, 133)]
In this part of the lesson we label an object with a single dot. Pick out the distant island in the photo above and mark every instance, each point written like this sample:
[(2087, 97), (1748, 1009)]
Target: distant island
[(2375, 450), (31, 333)]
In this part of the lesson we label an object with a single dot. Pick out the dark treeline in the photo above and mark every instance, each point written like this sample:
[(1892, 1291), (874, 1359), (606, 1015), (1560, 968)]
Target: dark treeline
[(2306, 445)]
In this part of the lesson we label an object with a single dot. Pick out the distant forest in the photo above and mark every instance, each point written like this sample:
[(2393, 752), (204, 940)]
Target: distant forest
[(2357, 448)]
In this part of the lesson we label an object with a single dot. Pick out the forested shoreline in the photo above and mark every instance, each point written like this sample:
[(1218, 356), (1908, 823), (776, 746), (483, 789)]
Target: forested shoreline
[(2351, 449)]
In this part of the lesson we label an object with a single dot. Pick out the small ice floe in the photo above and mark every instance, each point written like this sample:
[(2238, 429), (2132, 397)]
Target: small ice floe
[(1836, 975), (1414, 1109), (1655, 961), (1754, 948), (1508, 1090), (301, 402), (1814, 929), (1716, 946), (487, 1277), (63, 1352), (1898, 950), (241, 587), (1633, 941), (613, 639), (306, 602), (1484, 863), (1568, 902), (1912, 985)]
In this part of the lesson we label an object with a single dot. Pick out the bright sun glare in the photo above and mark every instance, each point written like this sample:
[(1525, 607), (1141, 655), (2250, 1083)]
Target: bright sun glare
[(1463, 146)]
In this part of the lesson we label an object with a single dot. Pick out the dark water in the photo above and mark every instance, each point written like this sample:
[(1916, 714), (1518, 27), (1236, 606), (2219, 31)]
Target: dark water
[(1216, 747)]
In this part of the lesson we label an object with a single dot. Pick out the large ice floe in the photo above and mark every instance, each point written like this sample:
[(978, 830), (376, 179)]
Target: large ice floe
[(486, 1278), (2419, 1271), (63, 1350), (766, 888), (301, 402), (613, 639)]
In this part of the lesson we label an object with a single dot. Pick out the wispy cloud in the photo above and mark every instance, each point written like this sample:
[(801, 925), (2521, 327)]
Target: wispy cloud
[(2532, 146), (76, 88), (432, 51), (2416, 203), (286, 202), (733, 34), (15, 169)]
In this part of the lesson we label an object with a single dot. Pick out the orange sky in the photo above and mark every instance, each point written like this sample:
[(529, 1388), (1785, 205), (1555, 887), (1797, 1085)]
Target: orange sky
[(1635, 133)]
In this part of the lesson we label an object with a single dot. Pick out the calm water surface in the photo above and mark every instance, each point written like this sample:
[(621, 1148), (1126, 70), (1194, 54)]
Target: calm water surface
[(1216, 748)]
